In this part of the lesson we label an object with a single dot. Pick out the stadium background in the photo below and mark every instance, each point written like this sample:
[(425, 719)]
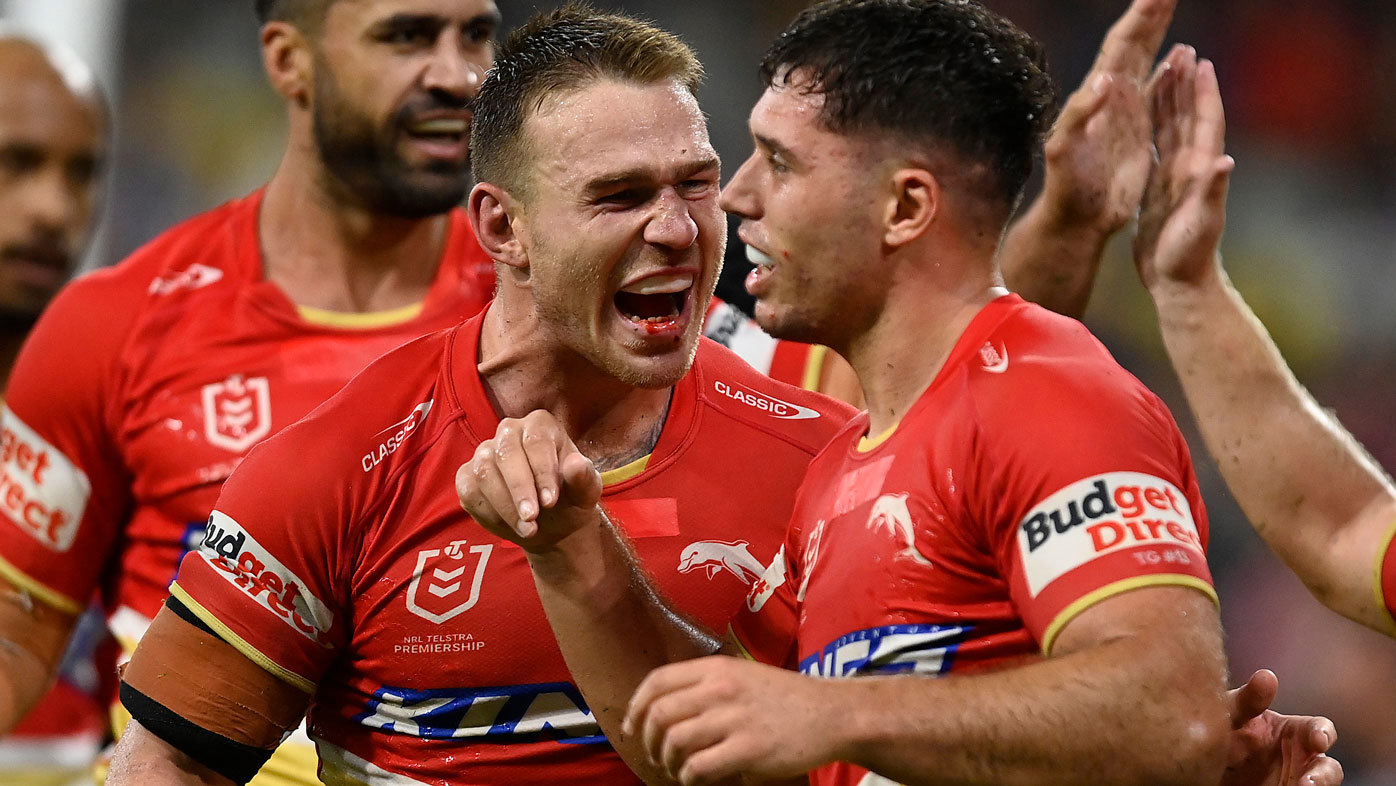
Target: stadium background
[(1311, 239)]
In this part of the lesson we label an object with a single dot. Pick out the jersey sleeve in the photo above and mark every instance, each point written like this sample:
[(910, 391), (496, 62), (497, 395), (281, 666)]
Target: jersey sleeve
[(1385, 576), (64, 490), (765, 626), (265, 576), (1093, 495)]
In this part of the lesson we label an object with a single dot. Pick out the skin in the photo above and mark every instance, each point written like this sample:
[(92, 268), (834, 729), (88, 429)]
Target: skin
[(1309, 488), (552, 340), (53, 143)]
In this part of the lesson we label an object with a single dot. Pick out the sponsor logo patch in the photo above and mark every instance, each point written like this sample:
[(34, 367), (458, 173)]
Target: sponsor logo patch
[(397, 433), (41, 490), (510, 713), (237, 412), (438, 589), (770, 405), (717, 556), (893, 649), (1100, 515), (195, 276), (251, 568)]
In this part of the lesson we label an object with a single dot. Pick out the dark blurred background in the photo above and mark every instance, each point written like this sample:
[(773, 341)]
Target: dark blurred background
[(1311, 239)]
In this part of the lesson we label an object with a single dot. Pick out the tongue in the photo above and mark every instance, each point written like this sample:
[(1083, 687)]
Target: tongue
[(645, 306)]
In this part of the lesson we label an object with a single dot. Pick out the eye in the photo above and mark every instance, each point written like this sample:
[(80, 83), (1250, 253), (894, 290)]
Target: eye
[(776, 165), (628, 197), (16, 160), (695, 187), (480, 32)]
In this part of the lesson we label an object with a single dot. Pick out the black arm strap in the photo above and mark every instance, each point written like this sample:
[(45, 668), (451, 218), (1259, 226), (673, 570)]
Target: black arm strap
[(231, 759)]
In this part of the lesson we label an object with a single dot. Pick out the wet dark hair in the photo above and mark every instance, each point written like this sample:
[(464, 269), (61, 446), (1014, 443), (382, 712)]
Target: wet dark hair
[(943, 75), (302, 13), (556, 52)]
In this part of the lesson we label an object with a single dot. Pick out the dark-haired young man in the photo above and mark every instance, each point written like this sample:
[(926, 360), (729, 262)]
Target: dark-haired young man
[(145, 384), (356, 586), (1015, 514)]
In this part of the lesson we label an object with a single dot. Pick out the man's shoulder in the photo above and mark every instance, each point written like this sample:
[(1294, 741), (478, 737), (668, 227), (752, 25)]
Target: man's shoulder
[(729, 385), (371, 425)]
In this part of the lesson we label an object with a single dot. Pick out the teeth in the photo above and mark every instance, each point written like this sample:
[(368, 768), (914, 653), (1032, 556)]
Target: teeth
[(756, 257), (441, 126), (661, 285)]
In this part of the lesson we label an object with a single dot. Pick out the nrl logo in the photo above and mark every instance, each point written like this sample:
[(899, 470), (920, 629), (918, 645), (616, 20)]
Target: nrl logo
[(237, 412), (437, 592)]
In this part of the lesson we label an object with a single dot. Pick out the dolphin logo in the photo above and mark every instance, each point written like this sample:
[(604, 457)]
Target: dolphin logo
[(716, 556), (890, 511)]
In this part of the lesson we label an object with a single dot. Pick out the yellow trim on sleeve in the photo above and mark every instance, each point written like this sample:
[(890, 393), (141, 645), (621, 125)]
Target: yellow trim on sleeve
[(620, 474), (866, 444), (252, 653), (814, 367), (732, 637), (1110, 590), (359, 320), (34, 587), (1382, 609)]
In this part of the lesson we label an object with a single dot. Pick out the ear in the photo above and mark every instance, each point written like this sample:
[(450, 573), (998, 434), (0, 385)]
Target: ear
[(288, 61), (495, 216), (914, 204)]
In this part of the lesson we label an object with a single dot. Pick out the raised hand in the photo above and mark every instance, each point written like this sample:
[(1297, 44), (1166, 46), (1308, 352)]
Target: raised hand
[(1270, 749), (1184, 210), (530, 484)]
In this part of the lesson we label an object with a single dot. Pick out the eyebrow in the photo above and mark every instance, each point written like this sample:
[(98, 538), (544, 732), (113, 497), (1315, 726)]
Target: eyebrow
[(777, 148), (646, 175), (491, 17)]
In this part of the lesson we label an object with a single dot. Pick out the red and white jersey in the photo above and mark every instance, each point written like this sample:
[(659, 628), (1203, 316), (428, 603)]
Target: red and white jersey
[(791, 362), (143, 385), (1032, 479), (339, 559)]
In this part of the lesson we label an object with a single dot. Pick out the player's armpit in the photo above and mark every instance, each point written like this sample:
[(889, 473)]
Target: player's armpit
[(202, 696), (32, 637)]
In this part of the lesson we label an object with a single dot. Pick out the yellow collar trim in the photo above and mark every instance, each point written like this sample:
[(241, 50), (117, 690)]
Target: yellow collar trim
[(359, 320), (620, 474), (866, 444)]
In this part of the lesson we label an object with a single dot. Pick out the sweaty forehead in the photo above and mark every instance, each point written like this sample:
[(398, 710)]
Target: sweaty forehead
[(611, 127)]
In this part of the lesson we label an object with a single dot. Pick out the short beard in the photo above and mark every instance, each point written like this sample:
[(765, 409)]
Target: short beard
[(362, 163)]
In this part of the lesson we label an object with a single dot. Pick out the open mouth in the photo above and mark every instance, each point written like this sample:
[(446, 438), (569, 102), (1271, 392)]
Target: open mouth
[(445, 133), (656, 301)]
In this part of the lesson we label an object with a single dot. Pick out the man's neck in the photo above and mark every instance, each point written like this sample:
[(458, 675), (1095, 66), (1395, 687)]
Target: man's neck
[(524, 369), (923, 318), (335, 256)]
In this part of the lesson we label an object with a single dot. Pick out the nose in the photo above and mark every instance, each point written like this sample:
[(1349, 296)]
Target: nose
[(739, 196), (50, 200), (671, 225), (451, 70)]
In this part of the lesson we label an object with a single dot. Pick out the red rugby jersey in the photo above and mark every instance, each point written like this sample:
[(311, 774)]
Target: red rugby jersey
[(1032, 479), (339, 559), (790, 362), (143, 385), (1386, 576)]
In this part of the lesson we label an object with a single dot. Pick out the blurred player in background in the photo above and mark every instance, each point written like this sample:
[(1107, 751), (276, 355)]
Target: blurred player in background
[(54, 133), (356, 586), (1011, 492), (145, 384), (1310, 490)]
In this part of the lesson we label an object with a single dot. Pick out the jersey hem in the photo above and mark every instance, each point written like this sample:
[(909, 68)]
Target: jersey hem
[(1384, 605), (252, 653), (732, 636), (1084, 602), (33, 586)]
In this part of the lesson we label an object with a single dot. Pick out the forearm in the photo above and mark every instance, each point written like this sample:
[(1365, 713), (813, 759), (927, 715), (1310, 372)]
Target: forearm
[(1311, 491), (1117, 714), (143, 759), (612, 627), (1051, 260)]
